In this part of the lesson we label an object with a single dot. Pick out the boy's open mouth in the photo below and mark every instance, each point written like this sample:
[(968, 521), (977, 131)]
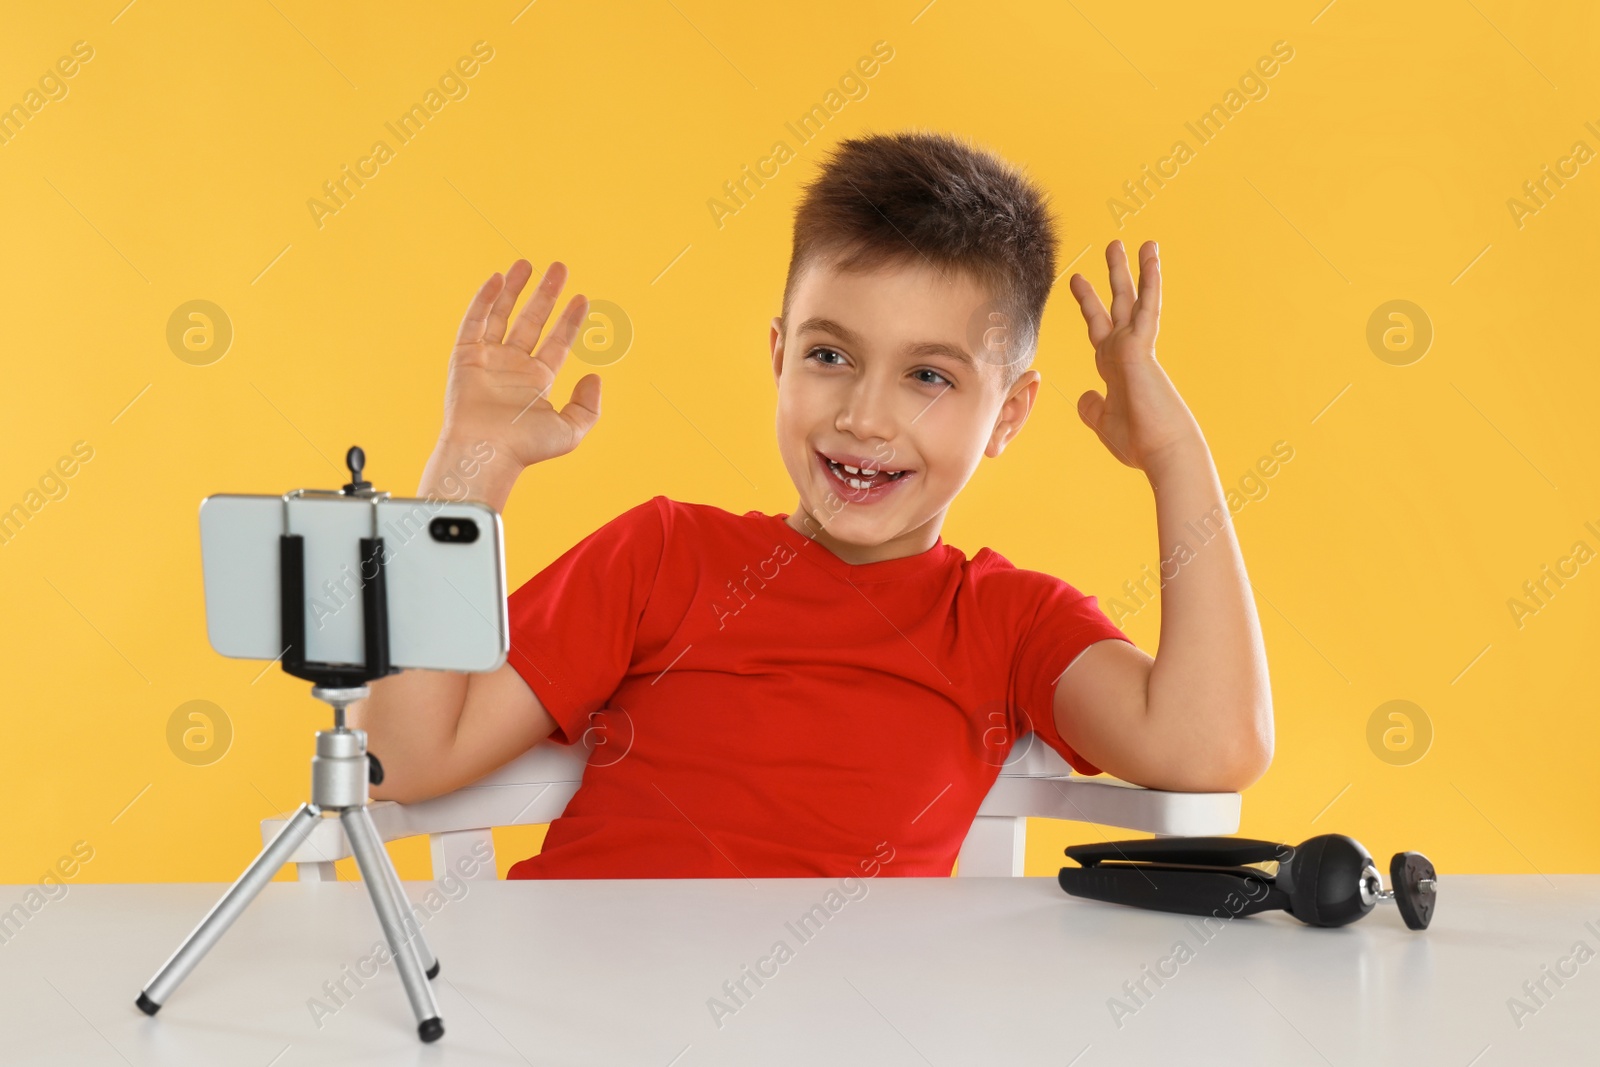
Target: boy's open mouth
[(860, 478)]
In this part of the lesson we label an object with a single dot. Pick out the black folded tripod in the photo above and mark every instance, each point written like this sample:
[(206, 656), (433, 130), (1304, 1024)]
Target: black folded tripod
[(1329, 880)]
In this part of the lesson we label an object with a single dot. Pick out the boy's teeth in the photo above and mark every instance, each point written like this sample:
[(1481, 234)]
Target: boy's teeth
[(866, 472), (865, 481)]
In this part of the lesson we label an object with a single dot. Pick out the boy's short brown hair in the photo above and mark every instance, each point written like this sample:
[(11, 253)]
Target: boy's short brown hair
[(926, 197)]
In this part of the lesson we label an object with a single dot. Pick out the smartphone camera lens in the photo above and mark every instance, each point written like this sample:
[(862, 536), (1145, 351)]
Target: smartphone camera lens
[(453, 531)]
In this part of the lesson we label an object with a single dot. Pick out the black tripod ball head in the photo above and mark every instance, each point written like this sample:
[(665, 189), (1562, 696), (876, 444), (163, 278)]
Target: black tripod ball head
[(1332, 881), (1323, 880)]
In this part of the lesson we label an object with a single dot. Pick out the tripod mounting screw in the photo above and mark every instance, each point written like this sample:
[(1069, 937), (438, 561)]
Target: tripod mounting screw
[(356, 459)]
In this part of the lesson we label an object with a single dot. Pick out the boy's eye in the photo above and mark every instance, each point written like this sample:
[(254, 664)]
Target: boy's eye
[(817, 353)]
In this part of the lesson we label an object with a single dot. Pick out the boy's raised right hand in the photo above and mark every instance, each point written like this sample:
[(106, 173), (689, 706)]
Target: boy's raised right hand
[(498, 388)]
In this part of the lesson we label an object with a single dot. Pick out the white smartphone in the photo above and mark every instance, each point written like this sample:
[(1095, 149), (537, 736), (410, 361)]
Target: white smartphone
[(444, 571)]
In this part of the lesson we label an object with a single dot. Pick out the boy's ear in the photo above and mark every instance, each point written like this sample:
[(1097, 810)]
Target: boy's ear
[(777, 346), (1013, 412)]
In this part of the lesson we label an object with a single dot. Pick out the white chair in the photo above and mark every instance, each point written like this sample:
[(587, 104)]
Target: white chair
[(534, 788)]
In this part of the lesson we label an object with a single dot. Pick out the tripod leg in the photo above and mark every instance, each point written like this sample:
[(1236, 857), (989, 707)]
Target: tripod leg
[(371, 859), (230, 907), (430, 962)]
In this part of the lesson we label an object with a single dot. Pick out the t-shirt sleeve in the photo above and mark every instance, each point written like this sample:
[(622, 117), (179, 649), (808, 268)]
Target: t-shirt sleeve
[(1066, 623), (574, 623)]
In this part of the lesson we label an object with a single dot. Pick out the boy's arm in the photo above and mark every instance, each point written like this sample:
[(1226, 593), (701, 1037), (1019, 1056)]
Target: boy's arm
[(436, 731), (1197, 717), (426, 750)]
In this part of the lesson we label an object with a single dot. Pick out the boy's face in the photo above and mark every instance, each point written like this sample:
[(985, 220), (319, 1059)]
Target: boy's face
[(862, 378)]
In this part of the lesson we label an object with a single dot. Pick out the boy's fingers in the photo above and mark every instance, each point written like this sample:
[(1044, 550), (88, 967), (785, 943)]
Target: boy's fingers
[(473, 322), (1094, 312), (553, 352), (1147, 314), (525, 331), (495, 328), (583, 410), (1090, 406), (1121, 284)]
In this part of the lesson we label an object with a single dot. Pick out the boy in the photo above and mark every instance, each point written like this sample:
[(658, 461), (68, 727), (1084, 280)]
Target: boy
[(836, 689)]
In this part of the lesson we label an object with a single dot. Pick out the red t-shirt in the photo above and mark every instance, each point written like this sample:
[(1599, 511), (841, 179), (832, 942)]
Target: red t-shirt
[(764, 709)]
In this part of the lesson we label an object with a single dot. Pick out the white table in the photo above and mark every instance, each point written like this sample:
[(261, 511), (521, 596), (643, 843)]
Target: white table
[(917, 971)]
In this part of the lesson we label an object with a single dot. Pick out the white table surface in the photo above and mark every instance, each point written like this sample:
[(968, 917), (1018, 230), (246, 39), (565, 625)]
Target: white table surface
[(917, 971)]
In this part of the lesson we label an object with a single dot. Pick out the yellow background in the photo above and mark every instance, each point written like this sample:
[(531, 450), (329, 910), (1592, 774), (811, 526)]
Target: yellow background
[(1378, 167)]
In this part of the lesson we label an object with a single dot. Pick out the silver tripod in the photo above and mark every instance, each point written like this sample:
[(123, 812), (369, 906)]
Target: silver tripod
[(339, 777), (339, 774)]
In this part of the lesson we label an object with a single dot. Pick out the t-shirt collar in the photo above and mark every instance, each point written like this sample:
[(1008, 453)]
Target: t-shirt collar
[(883, 570)]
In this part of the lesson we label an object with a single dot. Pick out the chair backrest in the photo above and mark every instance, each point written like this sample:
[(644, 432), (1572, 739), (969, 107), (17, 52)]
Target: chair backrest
[(535, 787)]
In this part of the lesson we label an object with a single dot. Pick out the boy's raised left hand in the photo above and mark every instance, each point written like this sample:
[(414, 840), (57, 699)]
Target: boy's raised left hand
[(1141, 418)]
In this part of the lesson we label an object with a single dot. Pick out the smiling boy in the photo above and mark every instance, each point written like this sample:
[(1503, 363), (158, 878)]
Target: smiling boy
[(836, 688)]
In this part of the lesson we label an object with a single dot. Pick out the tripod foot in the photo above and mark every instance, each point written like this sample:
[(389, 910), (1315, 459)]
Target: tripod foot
[(433, 972), (431, 1029), (146, 1005)]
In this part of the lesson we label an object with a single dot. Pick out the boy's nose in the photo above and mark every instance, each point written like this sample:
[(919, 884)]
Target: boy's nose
[(868, 412)]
